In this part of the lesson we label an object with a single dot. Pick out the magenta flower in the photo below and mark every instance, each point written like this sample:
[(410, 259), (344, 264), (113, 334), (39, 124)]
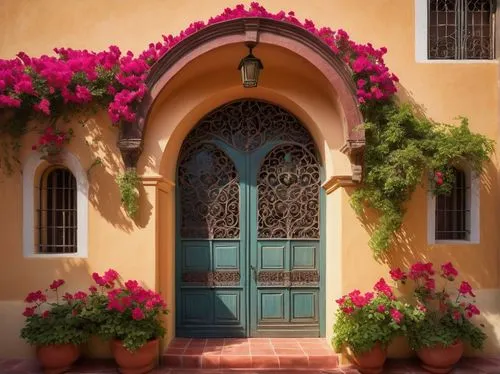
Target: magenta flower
[(137, 314)]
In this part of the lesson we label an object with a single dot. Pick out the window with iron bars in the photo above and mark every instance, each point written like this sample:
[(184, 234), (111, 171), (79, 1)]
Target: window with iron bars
[(57, 212), (461, 29), (453, 211)]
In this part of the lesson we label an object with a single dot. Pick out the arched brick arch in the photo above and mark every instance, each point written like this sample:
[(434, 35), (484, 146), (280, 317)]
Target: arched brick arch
[(251, 30)]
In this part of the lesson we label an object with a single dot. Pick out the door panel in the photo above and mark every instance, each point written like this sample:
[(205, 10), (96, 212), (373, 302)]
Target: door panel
[(211, 268), (248, 226), (286, 217)]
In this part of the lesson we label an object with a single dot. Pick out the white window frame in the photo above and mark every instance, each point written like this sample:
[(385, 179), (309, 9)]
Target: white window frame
[(31, 170), (421, 39), (472, 203)]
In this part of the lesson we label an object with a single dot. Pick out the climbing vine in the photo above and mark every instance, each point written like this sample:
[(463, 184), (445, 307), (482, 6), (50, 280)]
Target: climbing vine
[(128, 183), (401, 147)]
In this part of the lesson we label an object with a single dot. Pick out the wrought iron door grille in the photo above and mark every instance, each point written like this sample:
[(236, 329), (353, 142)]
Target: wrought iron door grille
[(461, 29), (452, 212), (57, 213)]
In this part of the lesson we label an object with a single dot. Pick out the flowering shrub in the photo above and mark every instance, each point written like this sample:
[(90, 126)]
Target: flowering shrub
[(47, 86), (364, 320), (128, 313), (400, 146), (57, 322), (440, 318)]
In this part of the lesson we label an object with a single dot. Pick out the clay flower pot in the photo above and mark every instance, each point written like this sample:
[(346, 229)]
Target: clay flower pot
[(370, 362), (58, 358), (439, 359), (140, 361)]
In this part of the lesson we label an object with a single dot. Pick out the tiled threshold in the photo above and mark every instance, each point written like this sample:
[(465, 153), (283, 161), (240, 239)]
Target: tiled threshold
[(466, 366), (255, 353), (252, 356)]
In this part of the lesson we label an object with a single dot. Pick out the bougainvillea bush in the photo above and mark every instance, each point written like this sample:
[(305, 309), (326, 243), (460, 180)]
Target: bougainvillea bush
[(401, 147), (54, 322), (442, 314), (364, 320), (128, 313)]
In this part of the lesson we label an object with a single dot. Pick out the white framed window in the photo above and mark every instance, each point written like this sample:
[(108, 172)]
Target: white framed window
[(455, 30), (55, 208), (454, 218)]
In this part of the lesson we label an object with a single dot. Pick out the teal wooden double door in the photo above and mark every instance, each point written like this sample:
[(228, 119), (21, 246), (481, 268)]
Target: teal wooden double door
[(249, 257)]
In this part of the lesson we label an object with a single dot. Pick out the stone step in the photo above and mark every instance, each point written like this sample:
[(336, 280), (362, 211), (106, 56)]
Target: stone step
[(252, 353)]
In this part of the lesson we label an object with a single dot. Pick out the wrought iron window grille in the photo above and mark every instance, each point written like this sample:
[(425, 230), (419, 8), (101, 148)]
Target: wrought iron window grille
[(57, 212), (461, 29)]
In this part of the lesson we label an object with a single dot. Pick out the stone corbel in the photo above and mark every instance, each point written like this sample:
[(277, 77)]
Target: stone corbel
[(354, 149)]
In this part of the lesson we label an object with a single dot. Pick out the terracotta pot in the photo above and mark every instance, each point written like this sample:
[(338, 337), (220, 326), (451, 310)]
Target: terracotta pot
[(138, 362), (58, 358), (439, 359), (371, 362)]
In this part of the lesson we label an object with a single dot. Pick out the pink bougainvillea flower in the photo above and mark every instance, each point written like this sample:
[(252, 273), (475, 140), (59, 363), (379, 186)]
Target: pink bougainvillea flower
[(381, 308), (67, 296), (137, 314), (45, 314), (131, 285), (56, 284), (92, 289), (398, 275), (466, 289), (448, 271), (457, 316), (43, 106)]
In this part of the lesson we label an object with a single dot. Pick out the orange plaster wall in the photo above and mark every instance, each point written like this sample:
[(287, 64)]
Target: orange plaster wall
[(143, 249)]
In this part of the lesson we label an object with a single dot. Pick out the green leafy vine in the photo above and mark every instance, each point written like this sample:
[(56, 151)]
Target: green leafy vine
[(402, 148), (128, 183)]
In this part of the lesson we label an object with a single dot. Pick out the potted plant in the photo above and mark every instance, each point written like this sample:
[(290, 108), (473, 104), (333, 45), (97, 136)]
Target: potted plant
[(441, 322), (55, 328), (130, 317), (51, 143), (366, 324)]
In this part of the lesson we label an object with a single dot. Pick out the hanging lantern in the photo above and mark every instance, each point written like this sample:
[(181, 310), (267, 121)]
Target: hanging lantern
[(250, 67)]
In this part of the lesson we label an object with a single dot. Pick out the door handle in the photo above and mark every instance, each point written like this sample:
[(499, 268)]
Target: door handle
[(254, 272)]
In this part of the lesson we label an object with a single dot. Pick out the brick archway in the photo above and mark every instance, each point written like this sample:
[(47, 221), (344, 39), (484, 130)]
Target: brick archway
[(255, 30)]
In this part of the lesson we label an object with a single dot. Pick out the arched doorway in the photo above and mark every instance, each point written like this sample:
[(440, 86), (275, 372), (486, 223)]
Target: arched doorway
[(248, 257)]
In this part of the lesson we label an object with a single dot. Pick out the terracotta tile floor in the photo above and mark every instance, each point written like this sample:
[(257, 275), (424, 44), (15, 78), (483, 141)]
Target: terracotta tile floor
[(268, 353)]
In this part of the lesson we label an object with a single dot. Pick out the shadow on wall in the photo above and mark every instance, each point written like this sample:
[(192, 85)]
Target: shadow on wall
[(104, 166), (476, 263)]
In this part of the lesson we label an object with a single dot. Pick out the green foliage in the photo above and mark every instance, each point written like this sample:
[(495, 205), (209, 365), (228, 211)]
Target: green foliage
[(363, 328), (437, 318), (61, 325), (128, 183), (400, 148), (432, 328), (110, 323)]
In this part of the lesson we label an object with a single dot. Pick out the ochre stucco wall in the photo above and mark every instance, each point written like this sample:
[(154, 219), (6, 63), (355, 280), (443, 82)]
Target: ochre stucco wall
[(144, 249)]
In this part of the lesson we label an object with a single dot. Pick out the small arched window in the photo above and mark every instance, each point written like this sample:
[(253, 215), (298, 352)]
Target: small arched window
[(461, 29), (57, 212)]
